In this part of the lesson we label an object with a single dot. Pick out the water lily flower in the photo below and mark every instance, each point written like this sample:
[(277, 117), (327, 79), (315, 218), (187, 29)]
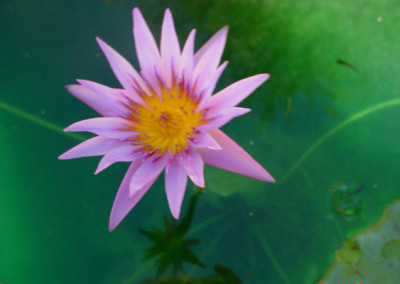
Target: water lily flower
[(165, 117)]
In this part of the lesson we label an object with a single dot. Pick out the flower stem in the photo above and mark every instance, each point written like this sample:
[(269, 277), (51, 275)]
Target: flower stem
[(335, 129), (39, 121), (271, 257)]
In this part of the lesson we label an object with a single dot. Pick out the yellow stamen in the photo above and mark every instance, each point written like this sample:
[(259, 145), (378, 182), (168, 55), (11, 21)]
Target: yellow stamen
[(167, 123)]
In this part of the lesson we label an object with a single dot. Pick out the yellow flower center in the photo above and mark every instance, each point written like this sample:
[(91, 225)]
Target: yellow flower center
[(167, 122)]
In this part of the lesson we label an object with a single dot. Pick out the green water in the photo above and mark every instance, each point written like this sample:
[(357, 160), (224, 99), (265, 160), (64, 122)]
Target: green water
[(329, 115)]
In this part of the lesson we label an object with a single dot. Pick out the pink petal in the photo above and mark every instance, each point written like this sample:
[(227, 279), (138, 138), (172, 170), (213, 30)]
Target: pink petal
[(235, 93), (223, 117), (110, 127), (124, 202), (123, 70), (91, 99), (216, 41), (110, 100), (170, 50), (194, 166), (208, 57), (95, 146), (233, 158), (205, 140), (150, 169), (146, 48), (124, 153), (175, 186), (209, 85), (187, 55)]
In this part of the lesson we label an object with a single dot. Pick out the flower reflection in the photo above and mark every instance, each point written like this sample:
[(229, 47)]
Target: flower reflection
[(171, 249), (170, 246)]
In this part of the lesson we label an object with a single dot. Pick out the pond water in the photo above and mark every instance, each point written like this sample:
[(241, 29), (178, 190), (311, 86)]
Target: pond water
[(325, 125)]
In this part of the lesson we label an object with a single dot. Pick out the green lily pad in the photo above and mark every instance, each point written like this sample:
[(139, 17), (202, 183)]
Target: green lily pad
[(371, 256)]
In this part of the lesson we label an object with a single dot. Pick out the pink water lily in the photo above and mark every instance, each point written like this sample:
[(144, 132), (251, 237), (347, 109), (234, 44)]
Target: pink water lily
[(165, 117)]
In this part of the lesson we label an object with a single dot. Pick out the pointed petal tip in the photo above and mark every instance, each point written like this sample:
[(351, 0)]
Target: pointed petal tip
[(262, 77), (71, 88), (115, 218), (63, 157), (136, 14), (223, 32), (67, 156), (269, 178), (192, 34), (223, 65), (123, 203), (81, 81), (265, 75), (69, 128), (262, 175), (111, 226), (175, 187), (176, 213), (233, 158), (103, 45), (99, 41), (200, 184)]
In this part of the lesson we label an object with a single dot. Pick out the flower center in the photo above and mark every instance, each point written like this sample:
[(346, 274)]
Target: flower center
[(168, 122)]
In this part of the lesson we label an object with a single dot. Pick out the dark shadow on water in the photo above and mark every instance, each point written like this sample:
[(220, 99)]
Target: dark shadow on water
[(171, 250)]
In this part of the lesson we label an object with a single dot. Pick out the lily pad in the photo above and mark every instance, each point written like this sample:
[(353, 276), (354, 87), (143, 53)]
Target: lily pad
[(371, 256)]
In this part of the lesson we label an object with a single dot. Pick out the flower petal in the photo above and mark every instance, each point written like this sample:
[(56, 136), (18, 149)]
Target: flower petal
[(170, 50), (111, 127), (187, 55), (124, 153), (209, 85), (235, 93), (124, 202), (90, 98), (207, 58), (150, 169), (146, 48), (175, 186), (216, 42), (123, 70), (204, 140), (233, 158), (222, 118), (194, 166), (95, 146), (111, 100)]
